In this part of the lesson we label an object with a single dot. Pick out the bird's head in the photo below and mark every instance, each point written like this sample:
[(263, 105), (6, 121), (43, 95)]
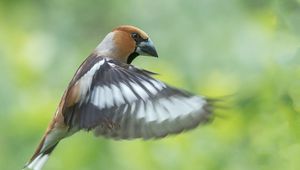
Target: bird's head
[(125, 43)]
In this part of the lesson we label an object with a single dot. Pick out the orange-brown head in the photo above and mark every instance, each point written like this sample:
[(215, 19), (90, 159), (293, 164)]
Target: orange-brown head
[(125, 43)]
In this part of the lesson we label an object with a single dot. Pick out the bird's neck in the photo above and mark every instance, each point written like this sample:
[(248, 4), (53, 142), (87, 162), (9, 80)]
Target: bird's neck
[(112, 48), (106, 47)]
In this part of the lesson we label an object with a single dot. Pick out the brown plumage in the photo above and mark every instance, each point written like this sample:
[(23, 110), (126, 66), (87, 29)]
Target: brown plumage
[(112, 98)]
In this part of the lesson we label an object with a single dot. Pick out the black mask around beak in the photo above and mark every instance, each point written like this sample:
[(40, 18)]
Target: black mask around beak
[(146, 48)]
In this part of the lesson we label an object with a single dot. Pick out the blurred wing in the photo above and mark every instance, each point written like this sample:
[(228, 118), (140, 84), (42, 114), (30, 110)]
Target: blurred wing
[(120, 101)]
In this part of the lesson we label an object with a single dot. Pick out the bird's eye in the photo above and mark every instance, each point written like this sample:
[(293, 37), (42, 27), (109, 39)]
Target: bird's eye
[(135, 36)]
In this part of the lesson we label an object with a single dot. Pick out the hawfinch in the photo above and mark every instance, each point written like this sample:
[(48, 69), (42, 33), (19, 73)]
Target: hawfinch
[(117, 100)]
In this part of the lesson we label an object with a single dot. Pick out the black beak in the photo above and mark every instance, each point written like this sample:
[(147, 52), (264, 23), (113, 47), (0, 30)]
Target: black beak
[(146, 48)]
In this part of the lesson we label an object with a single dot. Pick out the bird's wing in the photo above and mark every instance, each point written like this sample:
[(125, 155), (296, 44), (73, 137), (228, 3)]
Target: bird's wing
[(120, 101)]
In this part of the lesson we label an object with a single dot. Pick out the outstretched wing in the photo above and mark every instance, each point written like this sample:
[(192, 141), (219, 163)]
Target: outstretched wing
[(120, 101)]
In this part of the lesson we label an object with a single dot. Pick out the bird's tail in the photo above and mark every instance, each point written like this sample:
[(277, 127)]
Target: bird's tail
[(39, 159), (46, 146)]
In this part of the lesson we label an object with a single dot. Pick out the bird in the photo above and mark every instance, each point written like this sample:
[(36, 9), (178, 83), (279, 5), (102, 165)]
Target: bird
[(114, 99)]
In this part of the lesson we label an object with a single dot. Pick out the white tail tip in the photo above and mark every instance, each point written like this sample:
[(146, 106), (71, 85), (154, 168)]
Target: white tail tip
[(38, 162)]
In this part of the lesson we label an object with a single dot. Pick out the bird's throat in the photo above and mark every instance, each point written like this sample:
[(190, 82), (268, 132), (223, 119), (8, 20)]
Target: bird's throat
[(131, 57)]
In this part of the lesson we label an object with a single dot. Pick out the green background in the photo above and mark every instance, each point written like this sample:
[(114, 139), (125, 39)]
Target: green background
[(248, 48)]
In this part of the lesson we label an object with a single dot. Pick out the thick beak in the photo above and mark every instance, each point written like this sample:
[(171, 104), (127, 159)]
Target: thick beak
[(146, 48)]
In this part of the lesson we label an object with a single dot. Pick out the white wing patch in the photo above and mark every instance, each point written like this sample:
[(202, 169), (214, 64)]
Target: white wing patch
[(150, 114), (97, 97), (139, 105), (117, 95), (159, 85), (161, 117), (127, 93), (86, 80), (141, 111), (152, 90), (113, 95), (108, 96), (109, 100), (139, 90)]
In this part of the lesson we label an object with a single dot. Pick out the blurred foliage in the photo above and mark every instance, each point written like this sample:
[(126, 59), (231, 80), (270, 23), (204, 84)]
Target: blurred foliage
[(249, 48)]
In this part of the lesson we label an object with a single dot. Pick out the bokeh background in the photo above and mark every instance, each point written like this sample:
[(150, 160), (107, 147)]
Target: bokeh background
[(248, 48)]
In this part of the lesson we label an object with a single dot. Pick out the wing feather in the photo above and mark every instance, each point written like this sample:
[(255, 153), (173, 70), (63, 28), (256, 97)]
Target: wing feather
[(122, 102)]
